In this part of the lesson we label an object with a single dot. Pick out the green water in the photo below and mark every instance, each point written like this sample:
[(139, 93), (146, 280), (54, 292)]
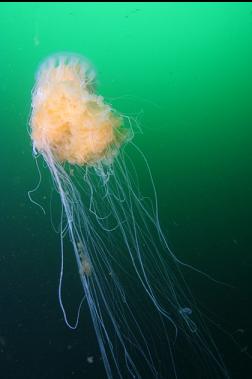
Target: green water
[(184, 72)]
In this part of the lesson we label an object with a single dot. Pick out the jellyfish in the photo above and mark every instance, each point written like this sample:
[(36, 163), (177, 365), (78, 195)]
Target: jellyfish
[(146, 319)]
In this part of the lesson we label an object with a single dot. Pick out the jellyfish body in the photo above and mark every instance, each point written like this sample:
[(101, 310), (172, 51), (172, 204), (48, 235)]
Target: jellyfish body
[(132, 281), (68, 118)]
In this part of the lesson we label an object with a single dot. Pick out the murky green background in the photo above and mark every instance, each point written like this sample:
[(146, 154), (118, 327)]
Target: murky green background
[(184, 71)]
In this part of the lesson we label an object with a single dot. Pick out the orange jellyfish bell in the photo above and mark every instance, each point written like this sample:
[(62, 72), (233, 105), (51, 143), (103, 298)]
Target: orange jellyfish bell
[(68, 119)]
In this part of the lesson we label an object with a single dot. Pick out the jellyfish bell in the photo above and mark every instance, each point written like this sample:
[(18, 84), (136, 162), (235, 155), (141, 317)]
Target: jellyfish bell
[(68, 118), (131, 280)]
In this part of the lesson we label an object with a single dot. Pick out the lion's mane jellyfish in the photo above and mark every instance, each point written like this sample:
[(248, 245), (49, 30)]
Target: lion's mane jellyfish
[(146, 319)]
